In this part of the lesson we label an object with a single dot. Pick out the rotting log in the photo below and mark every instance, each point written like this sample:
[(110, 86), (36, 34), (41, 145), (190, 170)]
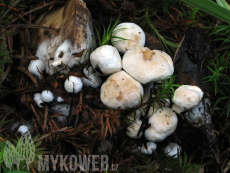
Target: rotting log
[(190, 69)]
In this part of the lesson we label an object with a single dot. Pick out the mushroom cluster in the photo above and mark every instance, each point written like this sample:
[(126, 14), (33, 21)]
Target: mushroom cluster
[(133, 69)]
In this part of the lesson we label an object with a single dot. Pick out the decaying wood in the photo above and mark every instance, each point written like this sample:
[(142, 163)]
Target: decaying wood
[(190, 70), (73, 22)]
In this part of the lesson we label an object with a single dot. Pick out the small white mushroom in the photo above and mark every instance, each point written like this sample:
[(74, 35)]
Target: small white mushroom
[(59, 99), (73, 84), (44, 55), (147, 65), (186, 97), (121, 90), (107, 59), (194, 116), (36, 67), (47, 96), (133, 33), (38, 99), (25, 127), (63, 56), (151, 146), (96, 80), (173, 150), (134, 127), (163, 123)]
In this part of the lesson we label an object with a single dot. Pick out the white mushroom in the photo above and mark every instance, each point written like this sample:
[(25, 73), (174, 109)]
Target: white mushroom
[(151, 146), (194, 116), (38, 99), (44, 55), (186, 97), (173, 150), (59, 99), (73, 84), (96, 80), (47, 96), (107, 59), (133, 34), (147, 65), (121, 90), (133, 128), (36, 67), (163, 123)]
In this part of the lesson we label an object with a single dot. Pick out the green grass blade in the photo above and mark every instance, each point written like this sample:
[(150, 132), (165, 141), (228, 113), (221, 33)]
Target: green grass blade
[(211, 8)]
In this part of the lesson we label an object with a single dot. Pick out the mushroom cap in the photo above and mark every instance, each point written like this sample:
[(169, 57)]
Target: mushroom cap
[(186, 97), (172, 150), (151, 146), (107, 59), (147, 65), (96, 80), (133, 33), (73, 83), (36, 67), (163, 123), (59, 99), (23, 129), (194, 116), (47, 96), (121, 90), (133, 128), (38, 99)]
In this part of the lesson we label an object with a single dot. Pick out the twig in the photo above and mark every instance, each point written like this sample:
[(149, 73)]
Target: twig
[(52, 133), (10, 8)]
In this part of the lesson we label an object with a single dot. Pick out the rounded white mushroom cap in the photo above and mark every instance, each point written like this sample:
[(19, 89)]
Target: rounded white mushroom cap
[(59, 99), (151, 146), (133, 33), (23, 129), (96, 80), (121, 90), (134, 127), (163, 123), (38, 99), (73, 84), (186, 97), (107, 59), (173, 149), (36, 67), (147, 65), (47, 96)]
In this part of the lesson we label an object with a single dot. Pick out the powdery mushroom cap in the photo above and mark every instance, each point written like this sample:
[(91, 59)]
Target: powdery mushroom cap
[(36, 67), (133, 33), (173, 149), (151, 146), (95, 81), (121, 90), (107, 59), (47, 96), (147, 65), (163, 123), (73, 83), (186, 97), (38, 99)]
